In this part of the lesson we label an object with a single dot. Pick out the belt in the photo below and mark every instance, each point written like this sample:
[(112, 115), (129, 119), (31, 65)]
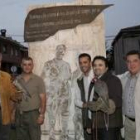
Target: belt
[(25, 112), (132, 119)]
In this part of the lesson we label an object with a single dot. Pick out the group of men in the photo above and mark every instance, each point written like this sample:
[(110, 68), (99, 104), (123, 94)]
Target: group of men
[(102, 97), (101, 122)]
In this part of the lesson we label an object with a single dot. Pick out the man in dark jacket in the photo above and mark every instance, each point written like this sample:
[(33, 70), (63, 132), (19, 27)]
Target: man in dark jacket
[(106, 125)]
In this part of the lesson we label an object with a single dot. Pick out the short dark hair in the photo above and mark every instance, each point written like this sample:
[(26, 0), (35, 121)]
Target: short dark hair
[(100, 58), (27, 59), (132, 52), (84, 55)]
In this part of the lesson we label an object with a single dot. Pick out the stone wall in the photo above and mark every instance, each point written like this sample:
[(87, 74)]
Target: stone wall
[(88, 38)]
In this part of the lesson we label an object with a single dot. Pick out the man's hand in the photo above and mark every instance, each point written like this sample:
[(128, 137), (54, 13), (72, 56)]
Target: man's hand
[(101, 105), (112, 107), (84, 105), (18, 96), (40, 119), (13, 118), (95, 105), (88, 130)]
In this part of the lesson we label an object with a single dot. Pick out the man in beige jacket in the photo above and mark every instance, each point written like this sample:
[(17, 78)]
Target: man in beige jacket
[(131, 96), (7, 96)]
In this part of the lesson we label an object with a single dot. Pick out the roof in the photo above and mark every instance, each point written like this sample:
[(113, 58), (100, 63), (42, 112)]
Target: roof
[(133, 31), (11, 41)]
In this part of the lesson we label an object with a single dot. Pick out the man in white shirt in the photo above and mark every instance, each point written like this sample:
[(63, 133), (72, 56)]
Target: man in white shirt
[(84, 92), (131, 96)]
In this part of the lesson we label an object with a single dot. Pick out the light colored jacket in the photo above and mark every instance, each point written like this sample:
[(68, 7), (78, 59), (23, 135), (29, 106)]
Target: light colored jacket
[(7, 94), (124, 78)]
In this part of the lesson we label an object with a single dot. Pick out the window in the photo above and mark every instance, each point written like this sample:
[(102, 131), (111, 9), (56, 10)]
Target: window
[(16, 52), (12, 51), (4, 49)]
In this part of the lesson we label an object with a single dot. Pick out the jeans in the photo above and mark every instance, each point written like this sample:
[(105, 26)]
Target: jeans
[(4, 129)]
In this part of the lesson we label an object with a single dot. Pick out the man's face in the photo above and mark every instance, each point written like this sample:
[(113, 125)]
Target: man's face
[(133, 63), (27, 66), (85, 64), (99, 67)]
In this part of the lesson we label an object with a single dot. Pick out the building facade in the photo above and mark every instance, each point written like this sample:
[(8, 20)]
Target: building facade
[(12, 52), (127, 39)]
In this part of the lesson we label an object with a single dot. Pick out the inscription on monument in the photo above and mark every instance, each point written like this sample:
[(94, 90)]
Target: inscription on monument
[(44, 22)]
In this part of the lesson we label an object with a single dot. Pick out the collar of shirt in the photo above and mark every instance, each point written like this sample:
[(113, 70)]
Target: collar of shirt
[(131, 76), (89, 76), (22, 76)]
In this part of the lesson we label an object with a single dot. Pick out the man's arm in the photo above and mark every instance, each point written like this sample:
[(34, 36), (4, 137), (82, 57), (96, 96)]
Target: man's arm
[(42, 108), (43, 103), (43, 100), (14, 97), (13, 110), (115, 91), (14, 94)]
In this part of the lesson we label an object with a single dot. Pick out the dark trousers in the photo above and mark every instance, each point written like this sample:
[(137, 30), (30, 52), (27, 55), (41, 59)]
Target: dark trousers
[(27, 127), (104, 134), (4, 130)]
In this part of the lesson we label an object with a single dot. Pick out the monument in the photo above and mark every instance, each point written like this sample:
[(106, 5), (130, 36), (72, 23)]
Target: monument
[(56, 35), (56, 74)]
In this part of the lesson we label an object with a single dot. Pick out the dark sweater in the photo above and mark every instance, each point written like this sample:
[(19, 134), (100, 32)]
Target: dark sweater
[(115, 93)]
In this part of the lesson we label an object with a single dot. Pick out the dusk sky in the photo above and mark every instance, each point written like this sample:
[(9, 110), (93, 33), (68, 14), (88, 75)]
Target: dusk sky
[(123, 14)]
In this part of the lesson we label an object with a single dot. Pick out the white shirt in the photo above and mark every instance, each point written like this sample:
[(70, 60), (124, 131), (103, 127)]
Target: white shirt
[(87, 80), (128, 96)]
